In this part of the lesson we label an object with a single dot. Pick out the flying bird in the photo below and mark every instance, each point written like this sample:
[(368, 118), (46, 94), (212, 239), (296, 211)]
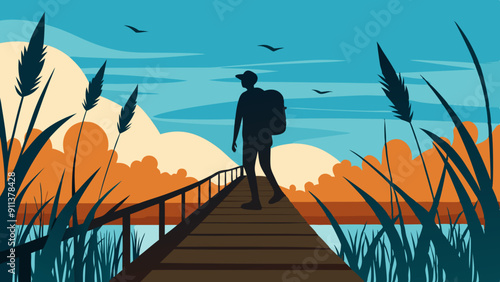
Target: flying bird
[(321, 92), (135, 29), (271, 48)]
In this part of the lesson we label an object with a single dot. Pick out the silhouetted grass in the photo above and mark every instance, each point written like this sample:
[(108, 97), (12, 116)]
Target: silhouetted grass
[(433, 255), (92, 94), (124, 123), (59, 259)]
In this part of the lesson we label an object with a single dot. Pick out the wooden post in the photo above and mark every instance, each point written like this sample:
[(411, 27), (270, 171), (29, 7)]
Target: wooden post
[(183, 206), (225, 179), (161, 222), (210, 188), (232, 175), (126, 241), (199, 195), (241, 171), (218, 180), (25, 267)]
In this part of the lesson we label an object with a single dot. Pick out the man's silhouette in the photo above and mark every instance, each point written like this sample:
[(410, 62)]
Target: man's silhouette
[(255, 110)]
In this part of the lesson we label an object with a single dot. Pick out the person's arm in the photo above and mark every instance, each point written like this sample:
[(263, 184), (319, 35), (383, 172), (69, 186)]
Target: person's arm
[(237, 123)]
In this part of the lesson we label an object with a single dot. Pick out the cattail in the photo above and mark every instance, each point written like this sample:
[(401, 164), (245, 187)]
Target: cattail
[(395, 89), (124, 123)]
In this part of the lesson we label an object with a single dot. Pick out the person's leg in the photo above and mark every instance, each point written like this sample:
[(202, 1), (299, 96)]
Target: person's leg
[(265, 164), (249, 157)]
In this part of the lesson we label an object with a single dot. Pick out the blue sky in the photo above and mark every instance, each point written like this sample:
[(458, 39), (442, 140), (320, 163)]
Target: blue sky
[(186, 62)]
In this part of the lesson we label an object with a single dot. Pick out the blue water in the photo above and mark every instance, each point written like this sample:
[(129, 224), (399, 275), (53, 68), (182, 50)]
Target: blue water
[(149, 234)]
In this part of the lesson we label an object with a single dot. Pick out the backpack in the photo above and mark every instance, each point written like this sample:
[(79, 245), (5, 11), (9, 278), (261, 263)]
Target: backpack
[(277, 116)]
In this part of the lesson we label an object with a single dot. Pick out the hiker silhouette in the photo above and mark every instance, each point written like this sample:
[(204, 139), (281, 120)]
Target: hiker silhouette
[(263, 116)]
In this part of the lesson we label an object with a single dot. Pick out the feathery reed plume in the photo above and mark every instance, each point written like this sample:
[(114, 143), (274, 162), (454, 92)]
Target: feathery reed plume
[(124, 123), (127, 112), (395, 89), (30, 66), (92, 94)]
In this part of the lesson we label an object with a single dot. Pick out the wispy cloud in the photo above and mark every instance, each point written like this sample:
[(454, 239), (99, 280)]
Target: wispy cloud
[(287, 63), (448, 63), (73, 45)]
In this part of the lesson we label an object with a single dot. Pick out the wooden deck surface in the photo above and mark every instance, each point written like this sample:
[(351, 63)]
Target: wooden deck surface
[(232, 244)]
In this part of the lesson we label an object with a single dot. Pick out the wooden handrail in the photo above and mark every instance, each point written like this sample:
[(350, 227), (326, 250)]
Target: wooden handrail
[(24, 251)]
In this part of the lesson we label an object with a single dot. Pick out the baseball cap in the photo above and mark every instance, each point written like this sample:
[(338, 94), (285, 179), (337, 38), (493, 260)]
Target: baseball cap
[(249, 76)]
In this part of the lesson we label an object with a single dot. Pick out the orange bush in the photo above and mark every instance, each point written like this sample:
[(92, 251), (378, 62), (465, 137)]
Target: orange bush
[(407, 172)]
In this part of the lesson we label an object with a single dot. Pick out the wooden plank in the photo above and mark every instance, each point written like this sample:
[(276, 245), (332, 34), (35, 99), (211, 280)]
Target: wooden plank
[(240, 211), (240, 199), (255, 218), (241, 228), (246, 193), (280, 204), (250, 256), (255, 241), (252, 275)]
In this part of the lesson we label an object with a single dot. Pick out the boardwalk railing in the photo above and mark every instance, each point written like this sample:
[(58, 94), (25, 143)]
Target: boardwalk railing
[(24, 251)]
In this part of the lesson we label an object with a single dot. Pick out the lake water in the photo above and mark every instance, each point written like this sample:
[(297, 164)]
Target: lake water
[(149, 233)]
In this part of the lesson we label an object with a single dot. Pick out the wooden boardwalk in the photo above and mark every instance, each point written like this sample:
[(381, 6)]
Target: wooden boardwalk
[(232, 244)]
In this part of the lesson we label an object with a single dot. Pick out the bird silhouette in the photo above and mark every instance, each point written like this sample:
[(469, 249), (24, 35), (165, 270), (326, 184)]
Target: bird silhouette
[(135, 29), (271, 48), (321, 92)]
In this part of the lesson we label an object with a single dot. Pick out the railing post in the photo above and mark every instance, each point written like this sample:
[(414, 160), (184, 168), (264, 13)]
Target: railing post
[(232, 175), (126, 241), (241, 171), (199, 195), (161, 222), (25, 267), (218, 180), (225, 179), (210, 188), (183, 206)]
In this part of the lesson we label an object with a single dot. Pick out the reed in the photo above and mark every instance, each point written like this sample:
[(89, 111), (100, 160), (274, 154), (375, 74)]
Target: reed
[(433, 254), (124, 123), (92, 94)]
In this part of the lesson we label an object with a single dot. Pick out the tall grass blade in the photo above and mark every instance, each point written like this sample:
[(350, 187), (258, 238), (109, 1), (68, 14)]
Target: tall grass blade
[(406, 244), (340, 234), (472, 151), (81, 231), (451, 261), (3, 142), (369, 256), (36, 112), (53, 214), (457, 160), (20, 195), (27, 158), (485, 93), (32, 221), (43, 268), (391, 231)]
